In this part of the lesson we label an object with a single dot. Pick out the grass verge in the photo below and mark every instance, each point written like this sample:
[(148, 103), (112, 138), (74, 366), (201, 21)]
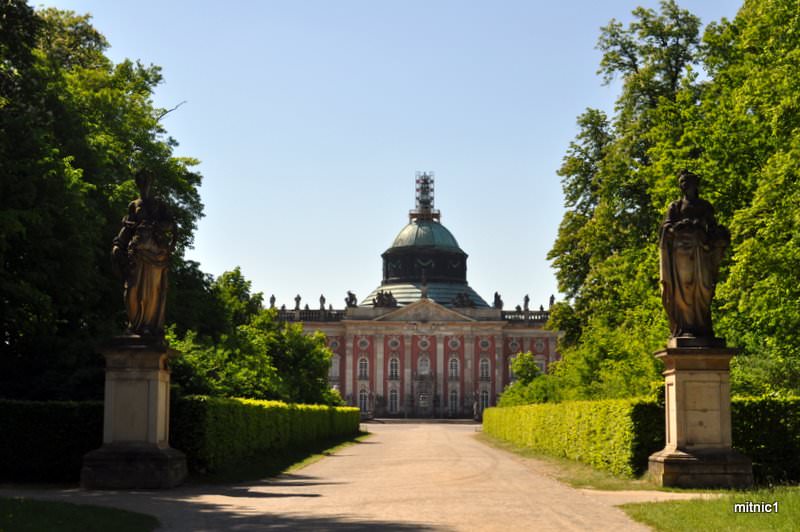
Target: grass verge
[(278, 462), (26, 515), (576, 474), (719, 514), (580, 475)]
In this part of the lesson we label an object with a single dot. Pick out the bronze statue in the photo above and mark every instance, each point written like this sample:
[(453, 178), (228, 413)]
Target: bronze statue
[(463, 300), (498, 301), (140, 254), (691, 245), (384, 299), (350, 300)]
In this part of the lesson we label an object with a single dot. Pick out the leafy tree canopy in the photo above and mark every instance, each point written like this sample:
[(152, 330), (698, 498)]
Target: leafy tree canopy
[(74, 130), (737, 127)]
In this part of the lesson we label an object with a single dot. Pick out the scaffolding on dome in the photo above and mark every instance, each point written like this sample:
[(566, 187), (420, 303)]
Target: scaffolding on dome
[(424, 199)]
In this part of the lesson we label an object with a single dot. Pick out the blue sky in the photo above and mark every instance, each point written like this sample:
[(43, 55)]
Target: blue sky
[(310, 119)]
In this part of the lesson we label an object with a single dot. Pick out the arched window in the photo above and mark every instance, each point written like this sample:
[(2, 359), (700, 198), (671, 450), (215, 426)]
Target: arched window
[(453, 403), (453, 368), (424, 365), (394, 401), (484, 400), (363, 368), (394, 368), (484, 369), (363, 400), (333, 373)]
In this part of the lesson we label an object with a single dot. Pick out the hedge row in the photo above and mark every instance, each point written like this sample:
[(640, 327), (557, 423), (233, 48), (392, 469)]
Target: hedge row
[(46, 441), (218, 433), (619, 435), (611, 435), (767, 429)]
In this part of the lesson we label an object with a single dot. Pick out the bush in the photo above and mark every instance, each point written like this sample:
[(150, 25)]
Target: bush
[(217, 434), (767, 429), (620, 435), (612, 435), (47, 440)]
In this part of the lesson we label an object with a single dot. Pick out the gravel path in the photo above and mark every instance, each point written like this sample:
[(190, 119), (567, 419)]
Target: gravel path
[(404, 477)]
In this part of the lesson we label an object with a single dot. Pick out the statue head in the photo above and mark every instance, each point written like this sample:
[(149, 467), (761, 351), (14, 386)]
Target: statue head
[(688, 182), (144, 181)]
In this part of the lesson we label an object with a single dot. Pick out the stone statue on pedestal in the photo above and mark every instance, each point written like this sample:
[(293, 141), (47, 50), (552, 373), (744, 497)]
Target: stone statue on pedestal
[(498, 301), (350, 300), (140, 254), (135, 453), (698, 449), (691, 246)]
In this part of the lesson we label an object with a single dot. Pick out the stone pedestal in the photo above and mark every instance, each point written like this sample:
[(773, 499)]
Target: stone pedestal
[(135, 451), (698, 452)]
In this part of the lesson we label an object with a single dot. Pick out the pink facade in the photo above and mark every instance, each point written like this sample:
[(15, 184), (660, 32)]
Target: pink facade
[(427, 360)]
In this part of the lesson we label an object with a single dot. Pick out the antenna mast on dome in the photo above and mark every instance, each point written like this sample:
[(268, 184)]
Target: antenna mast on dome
[(424, 195)]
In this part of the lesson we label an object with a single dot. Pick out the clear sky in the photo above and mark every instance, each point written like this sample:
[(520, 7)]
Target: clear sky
[(311, 117)]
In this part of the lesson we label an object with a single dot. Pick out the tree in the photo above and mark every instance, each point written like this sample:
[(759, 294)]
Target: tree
[(604, 254), (737, 127), (262, 359), (74, 128), (240, 305), (524, 368)]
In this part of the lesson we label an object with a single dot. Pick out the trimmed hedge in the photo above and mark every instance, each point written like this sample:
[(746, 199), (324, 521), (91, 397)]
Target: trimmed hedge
[(619, 435), (615, 435), (42, 440), (218, 433), (46, 441), (767, 429)]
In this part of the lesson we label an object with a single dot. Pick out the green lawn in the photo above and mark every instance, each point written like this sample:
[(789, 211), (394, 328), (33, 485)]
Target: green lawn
[(718, 514), (25, 515)]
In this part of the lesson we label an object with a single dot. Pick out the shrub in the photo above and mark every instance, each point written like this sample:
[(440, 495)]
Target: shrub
[(620, 435), (604, 434), (217, 434), (767, 429), (46, 440)]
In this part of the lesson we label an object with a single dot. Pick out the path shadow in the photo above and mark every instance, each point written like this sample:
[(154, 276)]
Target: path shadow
[(178, 515)]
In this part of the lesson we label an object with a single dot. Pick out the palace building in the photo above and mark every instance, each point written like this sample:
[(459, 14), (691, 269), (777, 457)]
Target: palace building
[(424, 343)]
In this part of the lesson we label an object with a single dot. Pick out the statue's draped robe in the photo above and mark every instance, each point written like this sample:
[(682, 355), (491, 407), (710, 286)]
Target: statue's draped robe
[(691, 247), (146, 241)]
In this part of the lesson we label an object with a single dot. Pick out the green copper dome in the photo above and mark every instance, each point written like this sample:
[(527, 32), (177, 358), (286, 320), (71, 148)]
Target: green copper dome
[(425, 233)]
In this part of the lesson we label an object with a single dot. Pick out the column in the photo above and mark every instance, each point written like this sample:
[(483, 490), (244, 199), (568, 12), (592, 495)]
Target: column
[(469, 368), (407, 374), (497, 380), (348, 370), (378, 387), (441, 390)]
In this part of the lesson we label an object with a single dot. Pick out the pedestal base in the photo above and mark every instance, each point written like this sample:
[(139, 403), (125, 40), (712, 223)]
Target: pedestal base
[(713, 468), (133, 466), (135, 452)]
